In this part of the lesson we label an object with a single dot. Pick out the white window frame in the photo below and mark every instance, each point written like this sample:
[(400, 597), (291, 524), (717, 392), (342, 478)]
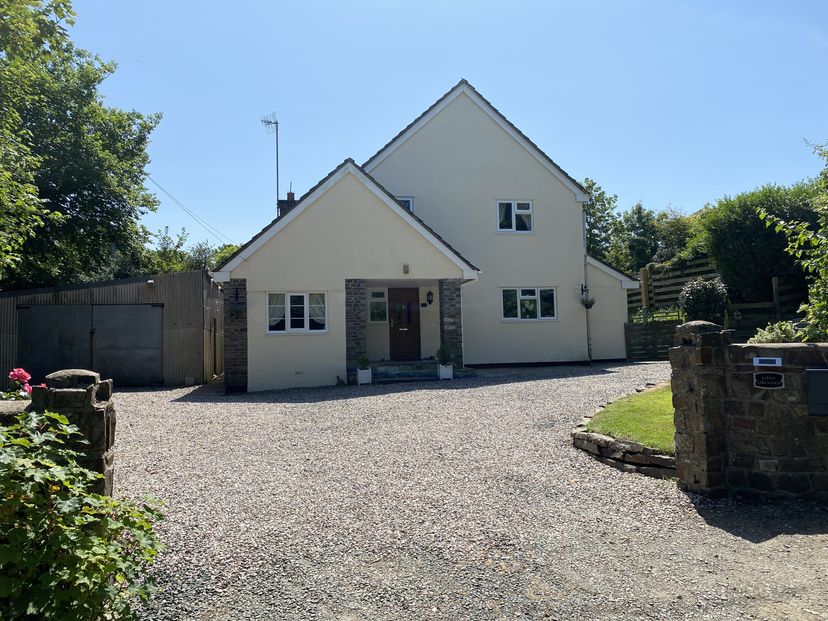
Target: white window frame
[(288, 330), (372, 301), (410, 200), (538, 305), (514, 203)]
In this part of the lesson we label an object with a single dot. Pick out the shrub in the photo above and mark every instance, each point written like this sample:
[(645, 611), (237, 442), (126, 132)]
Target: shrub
[(20, 388), (779, 332), (704, 299), (65, 553), (363, 362), (444, 354)]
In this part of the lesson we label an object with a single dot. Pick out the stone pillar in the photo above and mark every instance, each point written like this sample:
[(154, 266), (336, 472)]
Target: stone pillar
[(86, 401), (235, 335), (699, 393), (356, 323), (451, 318)]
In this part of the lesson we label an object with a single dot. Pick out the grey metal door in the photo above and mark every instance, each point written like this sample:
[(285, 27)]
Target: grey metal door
[(128, 343), (54, 337)]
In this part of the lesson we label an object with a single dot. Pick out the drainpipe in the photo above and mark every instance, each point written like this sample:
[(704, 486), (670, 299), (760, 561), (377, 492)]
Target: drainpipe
[(585, 288)]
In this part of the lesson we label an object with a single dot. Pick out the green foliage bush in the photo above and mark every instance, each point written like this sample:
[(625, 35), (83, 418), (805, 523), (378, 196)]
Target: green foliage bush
[(444, 354), (704, 299), (65, 553), (807, 244), (747, 254), (779, 332)]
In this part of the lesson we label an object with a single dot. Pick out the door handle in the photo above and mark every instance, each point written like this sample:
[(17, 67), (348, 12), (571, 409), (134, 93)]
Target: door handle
[(402, 329)]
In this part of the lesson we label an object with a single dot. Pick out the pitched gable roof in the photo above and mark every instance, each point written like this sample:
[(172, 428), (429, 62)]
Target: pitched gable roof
[(463, 87), (307, 199), (627, 281)]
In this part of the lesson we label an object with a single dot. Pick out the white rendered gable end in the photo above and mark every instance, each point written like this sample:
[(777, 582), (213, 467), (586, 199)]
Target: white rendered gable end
[(469, 271), (464, 88)]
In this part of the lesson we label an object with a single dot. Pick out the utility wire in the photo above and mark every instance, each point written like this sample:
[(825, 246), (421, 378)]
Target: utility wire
[(221, 237)]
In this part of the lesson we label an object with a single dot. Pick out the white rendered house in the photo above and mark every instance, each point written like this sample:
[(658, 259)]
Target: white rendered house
[(460, 230)]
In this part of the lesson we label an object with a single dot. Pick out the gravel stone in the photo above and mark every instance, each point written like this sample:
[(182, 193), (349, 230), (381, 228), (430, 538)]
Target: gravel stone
[(452, 500)]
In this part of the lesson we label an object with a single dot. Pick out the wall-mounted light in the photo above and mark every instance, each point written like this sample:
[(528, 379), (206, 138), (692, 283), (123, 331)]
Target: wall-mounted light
[(430, 298), (405, 268)]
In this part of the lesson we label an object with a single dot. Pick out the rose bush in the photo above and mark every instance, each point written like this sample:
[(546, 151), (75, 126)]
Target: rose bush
[(20, 387)]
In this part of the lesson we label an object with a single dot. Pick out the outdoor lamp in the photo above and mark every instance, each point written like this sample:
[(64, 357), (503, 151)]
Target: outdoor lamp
[(429, 298)]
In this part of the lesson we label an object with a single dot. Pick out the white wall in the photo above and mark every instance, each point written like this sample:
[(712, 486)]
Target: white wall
[(456, 168), (608, 315), (347, 233)]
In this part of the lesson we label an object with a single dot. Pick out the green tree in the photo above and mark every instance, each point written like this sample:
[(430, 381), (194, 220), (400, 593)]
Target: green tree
[(601, 221), (635, 241), (86, 160), (223, 253), (169, 254), (807, 244), (746, 253), (673, 231), (24, 34)]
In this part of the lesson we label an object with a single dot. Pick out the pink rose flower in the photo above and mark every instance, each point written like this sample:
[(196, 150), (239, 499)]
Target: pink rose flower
[(27, 388), (19, 375)]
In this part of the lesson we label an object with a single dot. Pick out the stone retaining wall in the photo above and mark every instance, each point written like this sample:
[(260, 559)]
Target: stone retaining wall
[(733, 438), (625, 455)]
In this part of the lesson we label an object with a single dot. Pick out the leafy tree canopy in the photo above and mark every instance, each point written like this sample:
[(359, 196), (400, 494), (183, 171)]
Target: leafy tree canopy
[(63, 150), (601, 221)]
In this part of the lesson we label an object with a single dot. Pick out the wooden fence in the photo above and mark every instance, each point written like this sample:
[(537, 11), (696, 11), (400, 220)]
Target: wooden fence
[(649, 337), (649, 341)]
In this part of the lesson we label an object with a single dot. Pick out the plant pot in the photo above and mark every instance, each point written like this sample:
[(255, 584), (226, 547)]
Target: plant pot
[(446, 371), (363, 376)]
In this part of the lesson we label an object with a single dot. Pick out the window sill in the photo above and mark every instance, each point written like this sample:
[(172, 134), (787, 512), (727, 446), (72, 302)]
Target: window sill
[(542, 319), (294, 332), (515, 232)]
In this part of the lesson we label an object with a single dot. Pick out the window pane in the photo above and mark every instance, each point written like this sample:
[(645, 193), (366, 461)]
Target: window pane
[(523, 222), (510, 310), (547, 302), (316, 311), (504, 211), (528, 293), (297, 312), (378, 294), (276, 312), (378, 311), (406, 202), (523, 207), (528, 308)]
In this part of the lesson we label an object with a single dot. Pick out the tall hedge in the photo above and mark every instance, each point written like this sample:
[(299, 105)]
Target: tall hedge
[(746, 253)]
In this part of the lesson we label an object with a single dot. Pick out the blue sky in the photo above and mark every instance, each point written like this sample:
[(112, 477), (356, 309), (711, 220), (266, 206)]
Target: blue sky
[(671, 103)]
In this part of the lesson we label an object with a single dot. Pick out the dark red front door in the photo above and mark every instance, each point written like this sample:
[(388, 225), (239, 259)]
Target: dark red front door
[(404, 323)]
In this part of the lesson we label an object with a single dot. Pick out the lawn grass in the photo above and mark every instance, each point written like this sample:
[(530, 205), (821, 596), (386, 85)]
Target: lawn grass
[(645, 417)]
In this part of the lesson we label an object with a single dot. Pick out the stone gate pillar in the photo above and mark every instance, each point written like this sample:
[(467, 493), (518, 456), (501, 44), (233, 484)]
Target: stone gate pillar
[(86, 401), (356, 322), (451, 318)]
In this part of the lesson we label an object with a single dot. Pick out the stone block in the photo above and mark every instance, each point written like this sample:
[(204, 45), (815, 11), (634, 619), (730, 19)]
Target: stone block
[(760, 481), (69, 398), (72, 378), (737, 478), (819, 482), (767, 465), (793, 483), (684, 443), (743, 460), (743, 423), (663, 461)]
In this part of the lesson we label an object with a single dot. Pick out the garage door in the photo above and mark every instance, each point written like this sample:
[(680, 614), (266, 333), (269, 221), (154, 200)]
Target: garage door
[(120, 341)]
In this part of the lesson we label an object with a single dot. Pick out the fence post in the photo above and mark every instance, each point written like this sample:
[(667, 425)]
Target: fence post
[(777, 306), (644, 285)]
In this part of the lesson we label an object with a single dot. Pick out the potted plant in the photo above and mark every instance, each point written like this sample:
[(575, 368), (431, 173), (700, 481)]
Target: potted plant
[(446, 370), (363, 370)]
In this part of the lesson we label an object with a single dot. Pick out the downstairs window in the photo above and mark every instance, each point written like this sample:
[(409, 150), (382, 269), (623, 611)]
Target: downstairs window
[(297, 312), (529, 303)]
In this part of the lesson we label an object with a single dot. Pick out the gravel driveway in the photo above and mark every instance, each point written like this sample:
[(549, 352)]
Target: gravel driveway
[(456, 500)]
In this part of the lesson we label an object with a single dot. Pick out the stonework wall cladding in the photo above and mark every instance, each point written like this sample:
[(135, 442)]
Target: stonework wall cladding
[(235, 335), (86, 401), (451, 318), (734, 438), (356, 322)]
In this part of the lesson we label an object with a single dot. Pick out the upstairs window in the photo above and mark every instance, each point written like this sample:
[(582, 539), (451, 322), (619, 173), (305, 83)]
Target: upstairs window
[(297, 312), (407, 202), (514, 216), (529, 303)]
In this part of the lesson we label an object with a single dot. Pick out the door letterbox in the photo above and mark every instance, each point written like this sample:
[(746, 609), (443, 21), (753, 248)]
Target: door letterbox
[(817, 382)]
